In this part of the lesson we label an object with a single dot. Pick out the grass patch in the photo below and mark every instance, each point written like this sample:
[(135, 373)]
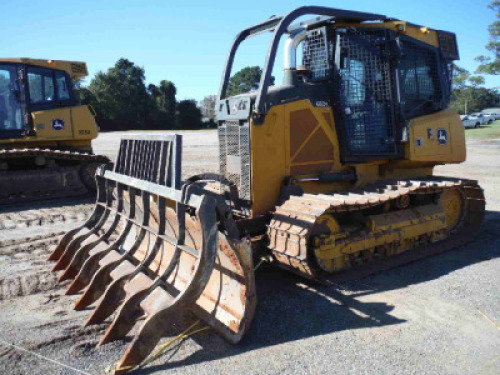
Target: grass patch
[(491, 131)]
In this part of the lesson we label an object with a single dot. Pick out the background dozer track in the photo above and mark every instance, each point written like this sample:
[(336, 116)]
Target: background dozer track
[(70, 174), (152, 248)]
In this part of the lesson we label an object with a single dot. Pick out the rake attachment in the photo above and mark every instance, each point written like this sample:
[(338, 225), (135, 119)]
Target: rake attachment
[(154, 248)]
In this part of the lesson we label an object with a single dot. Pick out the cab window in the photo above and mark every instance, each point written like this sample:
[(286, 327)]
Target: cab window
[(41, 85), (62, 86), (420, 78), (10, 106)]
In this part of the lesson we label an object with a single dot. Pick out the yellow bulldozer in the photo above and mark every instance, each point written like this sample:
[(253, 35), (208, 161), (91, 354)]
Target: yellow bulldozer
[(45, 136), (328, 175)]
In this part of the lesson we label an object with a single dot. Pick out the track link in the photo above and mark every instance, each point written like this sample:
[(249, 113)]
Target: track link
[(74, 177), (290, 228)]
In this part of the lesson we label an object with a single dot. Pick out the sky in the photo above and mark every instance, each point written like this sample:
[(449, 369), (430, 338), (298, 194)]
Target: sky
[(186, 42)]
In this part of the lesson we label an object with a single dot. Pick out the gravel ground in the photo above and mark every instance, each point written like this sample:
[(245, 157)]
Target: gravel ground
[(433, 316)]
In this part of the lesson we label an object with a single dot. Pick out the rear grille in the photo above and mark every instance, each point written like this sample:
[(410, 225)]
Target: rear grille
[(234, 147)]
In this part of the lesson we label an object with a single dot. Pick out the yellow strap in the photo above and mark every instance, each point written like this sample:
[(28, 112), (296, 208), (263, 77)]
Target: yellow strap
[(160, 348), (262, 260), (488, 318)]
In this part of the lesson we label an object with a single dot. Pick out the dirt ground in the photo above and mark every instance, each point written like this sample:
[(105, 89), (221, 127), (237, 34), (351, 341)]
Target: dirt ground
[(439, 315)]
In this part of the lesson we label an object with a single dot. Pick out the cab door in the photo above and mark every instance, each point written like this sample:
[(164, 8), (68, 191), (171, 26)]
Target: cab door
[(49, 103), (11, 103), (364, 95)]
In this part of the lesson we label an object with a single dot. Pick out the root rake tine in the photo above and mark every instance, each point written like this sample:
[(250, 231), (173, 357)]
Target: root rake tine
[(110, 301), (125, 319), (89, 268), (91, 265), (96, 288), (69, 252), (143, 344), (61, 246)]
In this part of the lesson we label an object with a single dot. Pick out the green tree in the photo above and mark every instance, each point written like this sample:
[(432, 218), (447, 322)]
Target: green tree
[(491, 64), (475, 98), (163, 103), (188, 115), (120, 95), (476, 81), (167, 102), (247, 79), (467, 95)]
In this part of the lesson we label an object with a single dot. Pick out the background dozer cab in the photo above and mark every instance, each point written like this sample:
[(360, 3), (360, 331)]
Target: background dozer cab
[(45, 136), (329, 175)]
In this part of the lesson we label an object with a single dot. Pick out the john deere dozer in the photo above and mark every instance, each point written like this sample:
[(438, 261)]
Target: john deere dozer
[(45, 135), (329, 175)]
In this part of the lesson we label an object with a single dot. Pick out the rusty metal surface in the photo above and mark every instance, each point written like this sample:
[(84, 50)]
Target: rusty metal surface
[(167, 256), (291, 228)]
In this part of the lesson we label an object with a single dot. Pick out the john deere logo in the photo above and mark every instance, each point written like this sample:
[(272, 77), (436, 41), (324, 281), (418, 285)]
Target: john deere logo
[(58, 124), (442, 136)]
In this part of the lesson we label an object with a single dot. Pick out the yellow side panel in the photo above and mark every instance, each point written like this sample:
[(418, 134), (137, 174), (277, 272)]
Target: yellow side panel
[(296, 139), (438, 137), (84, 123), (312, 145), (53, 124), (268, 158), (64, 124)]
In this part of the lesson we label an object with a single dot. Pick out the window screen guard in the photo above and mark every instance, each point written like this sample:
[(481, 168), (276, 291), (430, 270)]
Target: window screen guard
[(364, 85)]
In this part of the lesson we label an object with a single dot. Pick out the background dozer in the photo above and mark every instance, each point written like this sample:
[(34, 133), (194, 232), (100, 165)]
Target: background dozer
[(45, 136), (329, 176)]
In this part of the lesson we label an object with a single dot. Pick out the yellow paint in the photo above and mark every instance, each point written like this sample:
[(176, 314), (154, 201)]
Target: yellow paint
[(76, 69), (84, 123), (79, 129), (79, 122), (267, 160), (421, 147), (397, 231), (367, 173), (271, 161), (423, 34), (452, 203)]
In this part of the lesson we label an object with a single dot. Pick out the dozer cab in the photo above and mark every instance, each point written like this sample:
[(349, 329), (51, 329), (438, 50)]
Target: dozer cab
[(45, 136), (329, 175)]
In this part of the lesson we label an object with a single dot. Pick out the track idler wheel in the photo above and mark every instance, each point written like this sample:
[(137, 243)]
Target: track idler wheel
[(452, 201)]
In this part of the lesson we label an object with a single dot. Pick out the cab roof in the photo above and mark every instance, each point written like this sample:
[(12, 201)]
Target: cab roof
[(76, 69)]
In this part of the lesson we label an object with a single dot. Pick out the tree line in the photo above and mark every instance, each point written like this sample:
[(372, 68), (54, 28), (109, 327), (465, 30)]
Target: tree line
[(122, 101), (468, 94)]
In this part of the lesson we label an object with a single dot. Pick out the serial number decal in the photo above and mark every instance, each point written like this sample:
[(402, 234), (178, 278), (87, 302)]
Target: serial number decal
[(84, 132)]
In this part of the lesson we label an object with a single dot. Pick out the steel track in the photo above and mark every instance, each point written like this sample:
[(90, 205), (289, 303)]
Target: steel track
[(292, 224), (60, 181)]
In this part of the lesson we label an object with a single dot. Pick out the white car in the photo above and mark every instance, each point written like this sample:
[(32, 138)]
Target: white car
[(491, 115), (475, 120)]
